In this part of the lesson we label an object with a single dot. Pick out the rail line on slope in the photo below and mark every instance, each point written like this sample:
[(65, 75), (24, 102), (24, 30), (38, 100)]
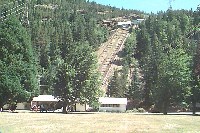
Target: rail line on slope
[(107, 54)]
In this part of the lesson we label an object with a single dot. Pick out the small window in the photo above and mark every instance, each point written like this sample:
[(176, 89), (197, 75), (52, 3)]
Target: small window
[(104, 105), (115, 105), (110, 105)]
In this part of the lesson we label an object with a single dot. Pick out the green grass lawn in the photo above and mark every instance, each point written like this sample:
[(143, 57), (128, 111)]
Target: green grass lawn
[(97, 123)]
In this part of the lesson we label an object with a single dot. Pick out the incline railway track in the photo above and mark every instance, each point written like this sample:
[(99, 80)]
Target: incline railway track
[(107, 53)]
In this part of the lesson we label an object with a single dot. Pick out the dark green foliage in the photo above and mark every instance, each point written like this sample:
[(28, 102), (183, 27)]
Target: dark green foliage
[(168, 54), (64, 35), (113, 87), (65, 38), (135, 89), (117, 85), (77, 77), (18, 74), (195, 35)]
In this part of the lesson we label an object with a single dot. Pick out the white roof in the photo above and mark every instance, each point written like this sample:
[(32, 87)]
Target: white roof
[(109, 100), (45, 98), (124, 23), (140, 19)]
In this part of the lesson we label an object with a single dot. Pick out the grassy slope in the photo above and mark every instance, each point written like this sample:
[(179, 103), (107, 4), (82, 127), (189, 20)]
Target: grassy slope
[(103, 122)]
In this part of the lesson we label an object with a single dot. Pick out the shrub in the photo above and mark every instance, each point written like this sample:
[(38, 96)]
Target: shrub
[(141, 110), (134, 110)]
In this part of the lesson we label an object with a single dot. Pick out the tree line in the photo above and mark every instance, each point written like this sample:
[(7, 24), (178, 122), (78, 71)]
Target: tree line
[(163, 60)]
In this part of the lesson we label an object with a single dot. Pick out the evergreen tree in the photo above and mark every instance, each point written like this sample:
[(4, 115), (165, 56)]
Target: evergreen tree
[(135, 90), (174, 78), (118, 84), (195, 92), (113, 87), (18, 67), (165, 58)]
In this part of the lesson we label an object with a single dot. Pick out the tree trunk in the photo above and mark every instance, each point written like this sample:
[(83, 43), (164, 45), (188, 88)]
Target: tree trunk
[(64, 108), (193, 108), (165, 113), (165, 107), (146, 97), (1, 107)]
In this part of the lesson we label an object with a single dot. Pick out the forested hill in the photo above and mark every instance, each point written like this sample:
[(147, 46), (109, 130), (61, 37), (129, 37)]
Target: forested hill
[(48, 47), (56, 25), (51, 45), (163, 54), (82, 18)]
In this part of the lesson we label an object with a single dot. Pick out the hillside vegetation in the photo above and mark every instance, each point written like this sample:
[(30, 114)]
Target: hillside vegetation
[(62, 38), (163, 54)]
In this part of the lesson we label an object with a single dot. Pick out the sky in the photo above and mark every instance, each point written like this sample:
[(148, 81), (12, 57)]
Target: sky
[(151, 5)]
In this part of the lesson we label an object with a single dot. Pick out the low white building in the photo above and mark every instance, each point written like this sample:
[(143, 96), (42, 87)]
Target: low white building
[(112, 104), (47, 99), (81, 107), (128, 23), (124, 25), (44, 103), (43, 98)]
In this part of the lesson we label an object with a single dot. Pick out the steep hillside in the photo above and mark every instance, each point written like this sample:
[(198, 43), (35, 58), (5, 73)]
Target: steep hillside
[(64, 36)]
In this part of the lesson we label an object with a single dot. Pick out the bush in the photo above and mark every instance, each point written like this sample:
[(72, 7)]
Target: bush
[(129, 111), (102, 111), (141, 110), (134, 110)]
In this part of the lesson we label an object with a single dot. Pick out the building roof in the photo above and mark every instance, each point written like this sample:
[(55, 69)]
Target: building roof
[(107, 21), (109, 100), (45, 98), (124, 23)]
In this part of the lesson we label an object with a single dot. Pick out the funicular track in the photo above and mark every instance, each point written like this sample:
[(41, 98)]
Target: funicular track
[(107, 53)]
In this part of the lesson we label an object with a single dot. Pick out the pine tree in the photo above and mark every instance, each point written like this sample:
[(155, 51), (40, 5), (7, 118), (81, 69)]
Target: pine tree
[(118, 84), (18, 67), (113, 86), (135, 90)]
